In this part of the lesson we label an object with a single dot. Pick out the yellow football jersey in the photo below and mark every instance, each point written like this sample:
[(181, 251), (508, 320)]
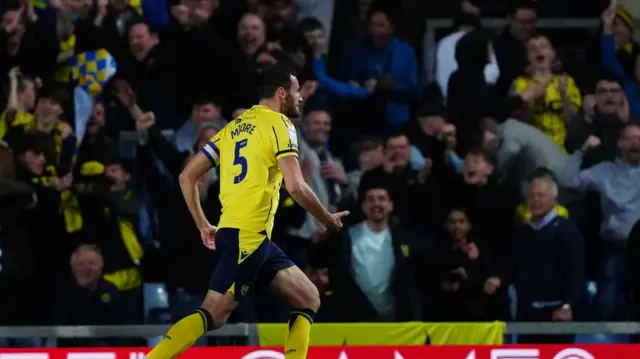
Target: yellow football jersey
[(247, 151)]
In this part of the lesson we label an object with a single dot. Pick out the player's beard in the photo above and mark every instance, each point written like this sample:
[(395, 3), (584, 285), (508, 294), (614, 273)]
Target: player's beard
[(289, 107)]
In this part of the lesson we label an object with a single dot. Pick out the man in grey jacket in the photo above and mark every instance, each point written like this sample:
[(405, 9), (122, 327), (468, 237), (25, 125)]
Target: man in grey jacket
[(322, 170), (618, 183), (520, 148)]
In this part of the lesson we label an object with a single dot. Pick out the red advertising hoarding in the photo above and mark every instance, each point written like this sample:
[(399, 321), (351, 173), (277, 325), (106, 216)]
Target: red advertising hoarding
[(381, 352)]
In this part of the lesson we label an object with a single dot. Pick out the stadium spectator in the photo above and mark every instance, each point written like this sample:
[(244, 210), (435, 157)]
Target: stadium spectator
[(470, 97), (546, 263), (370, 154), (510, 45), (468, 277), (606, 120), (110, 208), (17, 252), (323, 170), (626, 48), (615, 181), (552, 109), (204, 112), (612, 65), (387, 64), (88, 299), (396, 171), (369, 267), (445, 61), (427, 142), (27, 42), (21, 100), (280, 16), (487, 199)]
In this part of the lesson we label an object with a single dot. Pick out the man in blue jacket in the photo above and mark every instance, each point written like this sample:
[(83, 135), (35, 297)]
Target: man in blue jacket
[(386, 64), (611, 64)]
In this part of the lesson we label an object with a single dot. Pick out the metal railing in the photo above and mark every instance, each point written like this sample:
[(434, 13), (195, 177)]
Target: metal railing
[(53, 333), (250, 331)]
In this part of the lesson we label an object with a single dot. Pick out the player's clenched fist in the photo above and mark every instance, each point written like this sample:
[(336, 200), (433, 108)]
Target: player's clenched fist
[(208, 235)]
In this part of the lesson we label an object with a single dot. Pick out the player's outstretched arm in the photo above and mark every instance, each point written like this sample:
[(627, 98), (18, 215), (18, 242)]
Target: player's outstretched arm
[(196, 168), (302, 193)]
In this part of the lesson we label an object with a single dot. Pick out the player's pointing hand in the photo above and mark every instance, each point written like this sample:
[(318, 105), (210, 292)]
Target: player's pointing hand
[(336, 223), (208, 235)]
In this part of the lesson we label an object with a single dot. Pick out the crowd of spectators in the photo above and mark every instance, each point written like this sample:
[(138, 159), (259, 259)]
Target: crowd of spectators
[(503, 170)]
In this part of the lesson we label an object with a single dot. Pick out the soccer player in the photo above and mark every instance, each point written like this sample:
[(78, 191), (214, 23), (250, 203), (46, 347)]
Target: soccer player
[(254, 152)]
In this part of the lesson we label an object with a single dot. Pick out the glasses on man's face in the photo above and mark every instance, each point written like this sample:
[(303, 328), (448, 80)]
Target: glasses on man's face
[(604, 91)]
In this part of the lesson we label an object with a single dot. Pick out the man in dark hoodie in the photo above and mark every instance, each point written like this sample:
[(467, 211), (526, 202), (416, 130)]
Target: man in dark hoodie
[(52, 243), (469, 96), (17, 260), (510, 45), (487, 200)]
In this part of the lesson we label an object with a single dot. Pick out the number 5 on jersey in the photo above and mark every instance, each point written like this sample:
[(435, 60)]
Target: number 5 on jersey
[(241, 161)]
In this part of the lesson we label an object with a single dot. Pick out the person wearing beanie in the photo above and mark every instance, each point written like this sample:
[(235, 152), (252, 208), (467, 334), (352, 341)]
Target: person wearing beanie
[(612, 64), (626, 49)]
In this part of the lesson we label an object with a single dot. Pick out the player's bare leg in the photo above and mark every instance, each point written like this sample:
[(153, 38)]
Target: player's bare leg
[(212, 314), (294, 286)]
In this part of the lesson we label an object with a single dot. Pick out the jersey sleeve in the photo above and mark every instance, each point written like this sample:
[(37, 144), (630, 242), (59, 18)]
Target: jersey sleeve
[(212, 150), (284, 138)]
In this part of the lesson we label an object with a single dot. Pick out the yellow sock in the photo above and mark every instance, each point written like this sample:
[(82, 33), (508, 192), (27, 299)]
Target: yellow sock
[(297, 341), (182, 335)]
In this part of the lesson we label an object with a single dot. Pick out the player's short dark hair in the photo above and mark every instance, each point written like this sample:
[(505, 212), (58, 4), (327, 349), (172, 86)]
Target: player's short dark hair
[(309, 24), (272, 78)]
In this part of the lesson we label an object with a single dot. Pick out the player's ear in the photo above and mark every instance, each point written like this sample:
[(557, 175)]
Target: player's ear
[(281, 93)]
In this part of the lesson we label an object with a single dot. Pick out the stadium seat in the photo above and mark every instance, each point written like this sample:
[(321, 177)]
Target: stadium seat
[(592, 290), (156, 307)]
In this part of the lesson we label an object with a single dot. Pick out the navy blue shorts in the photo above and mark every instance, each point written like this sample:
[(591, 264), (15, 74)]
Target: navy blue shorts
[(245, 259)]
